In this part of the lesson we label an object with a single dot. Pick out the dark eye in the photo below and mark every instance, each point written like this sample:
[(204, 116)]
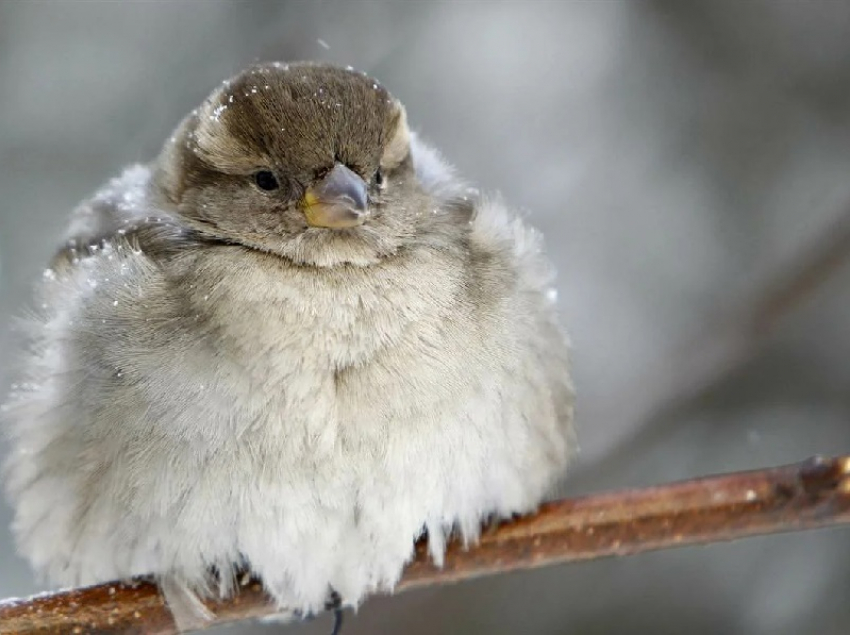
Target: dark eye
[(379, 179), (266, 180)]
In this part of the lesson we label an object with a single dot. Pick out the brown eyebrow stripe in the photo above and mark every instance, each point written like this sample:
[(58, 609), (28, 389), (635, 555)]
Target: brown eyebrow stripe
[(398, 146)]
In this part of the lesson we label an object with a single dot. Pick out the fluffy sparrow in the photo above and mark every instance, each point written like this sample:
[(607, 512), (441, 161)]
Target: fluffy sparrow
[(290, 345)]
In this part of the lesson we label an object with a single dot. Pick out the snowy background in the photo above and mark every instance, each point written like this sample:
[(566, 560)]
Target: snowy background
[(678, 156)]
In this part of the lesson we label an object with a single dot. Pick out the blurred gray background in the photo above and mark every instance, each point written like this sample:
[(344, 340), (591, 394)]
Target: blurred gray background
[(680, 157)]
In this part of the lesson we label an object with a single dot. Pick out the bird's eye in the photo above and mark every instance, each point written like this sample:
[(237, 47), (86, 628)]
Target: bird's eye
[(379, 179), (266, 180)]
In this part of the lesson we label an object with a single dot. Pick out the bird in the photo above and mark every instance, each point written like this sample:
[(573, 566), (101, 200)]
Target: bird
[(291, 344)]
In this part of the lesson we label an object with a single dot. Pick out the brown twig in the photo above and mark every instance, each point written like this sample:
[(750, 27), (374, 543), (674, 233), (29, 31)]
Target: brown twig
[(815, 493)]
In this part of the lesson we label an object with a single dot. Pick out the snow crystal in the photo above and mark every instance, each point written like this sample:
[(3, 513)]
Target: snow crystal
[(216, 114)]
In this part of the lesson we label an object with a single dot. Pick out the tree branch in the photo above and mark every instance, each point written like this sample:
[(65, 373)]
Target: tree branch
[(725, 344), (815, 493)]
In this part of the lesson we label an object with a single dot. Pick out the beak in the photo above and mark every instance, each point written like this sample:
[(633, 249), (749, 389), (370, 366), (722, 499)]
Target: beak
[(338, 201)]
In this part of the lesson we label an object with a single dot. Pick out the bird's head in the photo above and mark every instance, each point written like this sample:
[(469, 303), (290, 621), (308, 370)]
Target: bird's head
[(307, 161)]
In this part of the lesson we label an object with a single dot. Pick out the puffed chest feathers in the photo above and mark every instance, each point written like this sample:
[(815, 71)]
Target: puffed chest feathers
[(338, 356), (377, 389)]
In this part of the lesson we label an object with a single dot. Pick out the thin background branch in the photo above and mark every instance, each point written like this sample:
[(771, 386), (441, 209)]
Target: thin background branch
[(815, 493), (723, 347)]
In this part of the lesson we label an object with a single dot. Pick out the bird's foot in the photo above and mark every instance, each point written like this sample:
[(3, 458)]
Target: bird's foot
[(186, 608), (334, 604)]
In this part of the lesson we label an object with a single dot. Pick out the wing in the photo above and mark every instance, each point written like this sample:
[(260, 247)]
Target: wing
[(95, 354), (514, 273)]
